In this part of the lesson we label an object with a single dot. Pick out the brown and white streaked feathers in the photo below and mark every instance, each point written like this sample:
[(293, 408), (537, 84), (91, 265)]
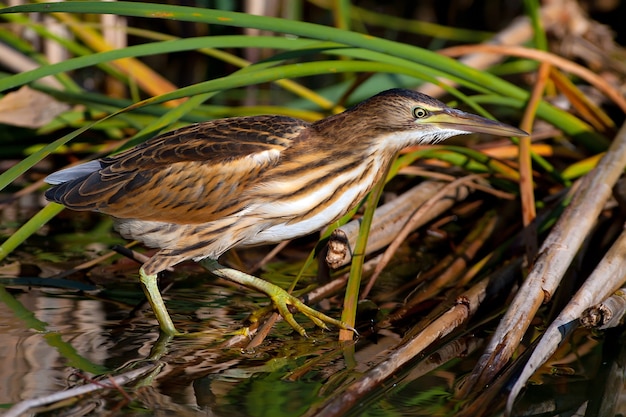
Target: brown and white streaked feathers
[(200, 190)]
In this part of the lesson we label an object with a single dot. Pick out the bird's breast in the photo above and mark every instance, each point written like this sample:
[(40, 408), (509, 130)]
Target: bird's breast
[(310, 202)]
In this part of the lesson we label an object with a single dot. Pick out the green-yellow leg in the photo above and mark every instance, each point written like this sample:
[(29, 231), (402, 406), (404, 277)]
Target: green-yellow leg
[(151, 289), (280, 298)]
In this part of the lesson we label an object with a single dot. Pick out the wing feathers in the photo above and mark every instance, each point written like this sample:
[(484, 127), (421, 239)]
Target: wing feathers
[(192, 175)]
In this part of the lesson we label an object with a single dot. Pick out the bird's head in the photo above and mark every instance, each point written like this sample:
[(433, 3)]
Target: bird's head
[(399, 118)]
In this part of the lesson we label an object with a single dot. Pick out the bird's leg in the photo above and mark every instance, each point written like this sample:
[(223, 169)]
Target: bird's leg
[(280, 298), (151, 289)]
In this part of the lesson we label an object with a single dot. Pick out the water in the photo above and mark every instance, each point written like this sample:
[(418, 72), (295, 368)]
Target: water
[(63, 332), (53, 339)]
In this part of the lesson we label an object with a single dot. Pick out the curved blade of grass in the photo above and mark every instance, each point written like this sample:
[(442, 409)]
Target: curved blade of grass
[(148, 49), (18, 169), (272, 74), (444, 64), (30, 227), (198, 114)]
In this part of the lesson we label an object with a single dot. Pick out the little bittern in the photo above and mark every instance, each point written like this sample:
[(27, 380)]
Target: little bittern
[(198, 191)]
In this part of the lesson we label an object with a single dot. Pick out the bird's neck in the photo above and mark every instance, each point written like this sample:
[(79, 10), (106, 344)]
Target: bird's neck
[(348, 122), (353, 133)]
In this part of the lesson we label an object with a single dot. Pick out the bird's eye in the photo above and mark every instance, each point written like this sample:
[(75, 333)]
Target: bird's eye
[(420, 112)]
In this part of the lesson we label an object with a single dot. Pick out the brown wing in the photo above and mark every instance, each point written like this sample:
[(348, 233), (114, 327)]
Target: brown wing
[(192, 175)]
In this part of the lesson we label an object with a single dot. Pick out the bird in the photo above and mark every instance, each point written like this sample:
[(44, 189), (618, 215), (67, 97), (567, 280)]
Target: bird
[(198, 191)]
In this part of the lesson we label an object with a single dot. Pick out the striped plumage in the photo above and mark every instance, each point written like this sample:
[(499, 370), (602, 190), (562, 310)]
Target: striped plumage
[(198, 191)]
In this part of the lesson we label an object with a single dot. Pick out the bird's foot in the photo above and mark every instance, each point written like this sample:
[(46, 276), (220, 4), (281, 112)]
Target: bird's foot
[(284, 303), (281, 299)]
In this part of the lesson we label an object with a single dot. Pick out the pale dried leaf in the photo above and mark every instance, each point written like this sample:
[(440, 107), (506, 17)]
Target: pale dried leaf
[(29, 108)]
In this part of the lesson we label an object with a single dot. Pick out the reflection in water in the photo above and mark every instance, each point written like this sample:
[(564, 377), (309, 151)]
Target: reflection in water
[(70, 336), (29, 364), (65, 329)]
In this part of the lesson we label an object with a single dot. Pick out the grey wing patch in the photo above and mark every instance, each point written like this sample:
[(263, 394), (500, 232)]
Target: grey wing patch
[(73, 173)]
